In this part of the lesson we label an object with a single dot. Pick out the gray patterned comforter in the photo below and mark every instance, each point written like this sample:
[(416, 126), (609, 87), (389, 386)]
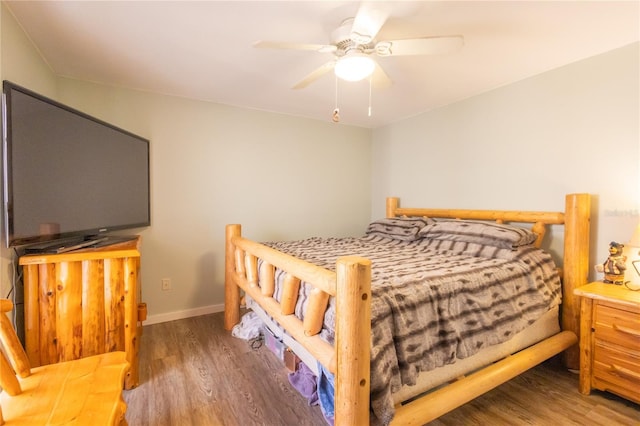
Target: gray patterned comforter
[(434, 301)]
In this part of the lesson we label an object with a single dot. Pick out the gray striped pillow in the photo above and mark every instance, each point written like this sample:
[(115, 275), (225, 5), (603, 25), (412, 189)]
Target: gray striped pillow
[(485, 233)]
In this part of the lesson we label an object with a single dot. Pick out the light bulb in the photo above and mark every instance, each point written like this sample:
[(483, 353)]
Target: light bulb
[(354, 67)]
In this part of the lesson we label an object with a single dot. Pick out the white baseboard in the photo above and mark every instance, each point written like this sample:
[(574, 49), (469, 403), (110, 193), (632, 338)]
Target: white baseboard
[(186, 313)]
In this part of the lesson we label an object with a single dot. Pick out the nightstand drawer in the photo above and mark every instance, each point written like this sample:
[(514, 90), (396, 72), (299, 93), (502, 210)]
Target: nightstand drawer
[(617, 326), (617, 371)]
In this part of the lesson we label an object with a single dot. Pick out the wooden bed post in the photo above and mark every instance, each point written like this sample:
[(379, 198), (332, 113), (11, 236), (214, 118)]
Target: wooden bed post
[(353, 341), (392, 205), (231, 289), (575, 267)]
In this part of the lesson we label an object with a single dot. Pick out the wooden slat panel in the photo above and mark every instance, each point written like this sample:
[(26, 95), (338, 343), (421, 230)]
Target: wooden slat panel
[(32, 313), (314, 317), (240, 262), (93, 336), (69, 310), (267, 279), (291, 286), (586, 344), (47, 339), (114, 305), (251, 266), (130, 330)]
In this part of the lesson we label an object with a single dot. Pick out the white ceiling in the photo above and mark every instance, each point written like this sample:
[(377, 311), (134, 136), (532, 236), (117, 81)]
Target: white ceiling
[(203, 49)]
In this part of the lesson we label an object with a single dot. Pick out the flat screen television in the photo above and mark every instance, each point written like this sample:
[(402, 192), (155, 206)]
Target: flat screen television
[(68, 176)]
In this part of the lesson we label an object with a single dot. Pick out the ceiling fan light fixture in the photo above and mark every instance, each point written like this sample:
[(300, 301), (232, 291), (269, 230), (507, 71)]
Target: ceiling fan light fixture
[(354, 67)]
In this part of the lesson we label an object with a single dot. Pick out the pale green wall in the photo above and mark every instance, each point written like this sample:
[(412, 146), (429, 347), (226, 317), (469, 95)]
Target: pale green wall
[(525, 145)]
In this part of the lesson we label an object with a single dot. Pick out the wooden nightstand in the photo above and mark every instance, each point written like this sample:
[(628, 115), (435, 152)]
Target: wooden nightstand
[(610, 340)]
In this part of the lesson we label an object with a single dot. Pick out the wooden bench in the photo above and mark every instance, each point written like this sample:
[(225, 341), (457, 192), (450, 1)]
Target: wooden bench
[(86, 391)]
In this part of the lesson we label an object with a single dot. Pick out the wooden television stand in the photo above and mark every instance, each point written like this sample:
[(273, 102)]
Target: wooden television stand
[(83, 303)]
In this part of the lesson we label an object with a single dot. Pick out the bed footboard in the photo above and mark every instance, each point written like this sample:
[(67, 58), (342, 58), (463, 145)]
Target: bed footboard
[(350, 284)]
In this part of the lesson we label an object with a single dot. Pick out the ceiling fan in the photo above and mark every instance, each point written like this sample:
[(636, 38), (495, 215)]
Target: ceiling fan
[(354, 44)]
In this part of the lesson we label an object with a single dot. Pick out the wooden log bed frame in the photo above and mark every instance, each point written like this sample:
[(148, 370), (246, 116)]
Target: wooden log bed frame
[(350, 284)]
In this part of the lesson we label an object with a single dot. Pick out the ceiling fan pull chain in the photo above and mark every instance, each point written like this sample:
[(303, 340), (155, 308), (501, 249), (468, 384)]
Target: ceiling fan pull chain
[(336, 112)]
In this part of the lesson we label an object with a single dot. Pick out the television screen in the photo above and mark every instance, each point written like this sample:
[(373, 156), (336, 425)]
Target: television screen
[(67, 174)]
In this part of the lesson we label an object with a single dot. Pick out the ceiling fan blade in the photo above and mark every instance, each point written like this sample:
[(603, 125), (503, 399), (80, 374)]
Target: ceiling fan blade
[(379, 78), (314, 75), (420, 46), (370, 18), (324, 48)]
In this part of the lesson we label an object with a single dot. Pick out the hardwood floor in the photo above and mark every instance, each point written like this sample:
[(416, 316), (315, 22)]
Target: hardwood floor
[(193, 372)]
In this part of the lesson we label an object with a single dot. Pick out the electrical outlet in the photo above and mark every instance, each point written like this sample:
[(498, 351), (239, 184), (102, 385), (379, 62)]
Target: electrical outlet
[(166, 284)]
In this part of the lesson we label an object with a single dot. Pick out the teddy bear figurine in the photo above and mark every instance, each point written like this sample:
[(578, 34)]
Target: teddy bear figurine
[(614, 267)]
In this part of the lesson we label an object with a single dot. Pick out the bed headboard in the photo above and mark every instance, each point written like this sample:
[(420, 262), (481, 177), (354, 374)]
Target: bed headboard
[(575, 264)]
